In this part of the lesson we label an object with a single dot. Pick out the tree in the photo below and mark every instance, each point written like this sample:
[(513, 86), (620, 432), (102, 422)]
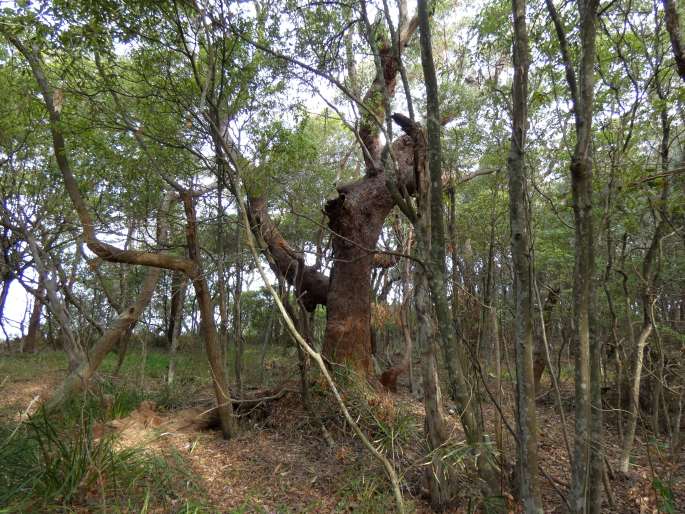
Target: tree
[(587, 458), (523, 279)]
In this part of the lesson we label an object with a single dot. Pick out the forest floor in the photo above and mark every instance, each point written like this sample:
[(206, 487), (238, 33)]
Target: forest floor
[(280, 461)]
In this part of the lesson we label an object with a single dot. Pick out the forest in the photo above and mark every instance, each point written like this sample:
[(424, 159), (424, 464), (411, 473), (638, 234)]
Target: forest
[(342, 256)]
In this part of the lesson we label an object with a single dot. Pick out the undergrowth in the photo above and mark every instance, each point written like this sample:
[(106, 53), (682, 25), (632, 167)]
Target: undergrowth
[(54, 464)]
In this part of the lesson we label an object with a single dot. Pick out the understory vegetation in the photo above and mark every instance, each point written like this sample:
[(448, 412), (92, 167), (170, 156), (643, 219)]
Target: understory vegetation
[(342, 256)]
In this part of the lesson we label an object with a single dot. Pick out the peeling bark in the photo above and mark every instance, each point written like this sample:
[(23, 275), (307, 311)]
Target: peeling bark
[(356, 218)]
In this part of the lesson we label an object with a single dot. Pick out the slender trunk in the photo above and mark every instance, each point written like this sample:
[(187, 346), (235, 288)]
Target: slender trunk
[(304, 329), (634, 398), (407, 360), (124, 298), (441, 481), (539, 359), (31, 340), (76, 354), (433, 251), (587, 459), (178, 298), (521, 255), (237, 314), (499, 441), (78, 379), (143, 362), (485, 346), (266, 338), (649, 277), (221, 270), (207, 324)]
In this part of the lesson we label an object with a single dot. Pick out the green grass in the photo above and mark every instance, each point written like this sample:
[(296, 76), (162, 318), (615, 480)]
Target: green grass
[(188, 364), (20, 367), (53, 464), (369, 494)]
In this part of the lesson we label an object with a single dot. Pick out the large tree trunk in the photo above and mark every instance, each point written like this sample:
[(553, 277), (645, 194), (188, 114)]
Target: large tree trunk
[(310, 284), (357, 215), (673, 27), (356, 218)]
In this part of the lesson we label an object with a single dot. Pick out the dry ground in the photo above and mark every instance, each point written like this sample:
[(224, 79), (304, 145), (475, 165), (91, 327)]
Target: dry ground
[(280, 462)]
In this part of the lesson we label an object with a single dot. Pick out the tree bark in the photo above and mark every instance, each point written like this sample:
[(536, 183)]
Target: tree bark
[(539, 359), (442, 486), (76, 354), (178, 290), (191, 266), (310, 284), (648, 296), (31, 340), (357, 215), (529, 490), (79, 378), (221, 269), (430, 236), (673, 27), (207, 324), (237, 314), (356, 218), (587, 458)]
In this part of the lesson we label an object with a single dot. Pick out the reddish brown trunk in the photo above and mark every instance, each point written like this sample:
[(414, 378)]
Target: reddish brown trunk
[(311, 286), (356, 217)]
